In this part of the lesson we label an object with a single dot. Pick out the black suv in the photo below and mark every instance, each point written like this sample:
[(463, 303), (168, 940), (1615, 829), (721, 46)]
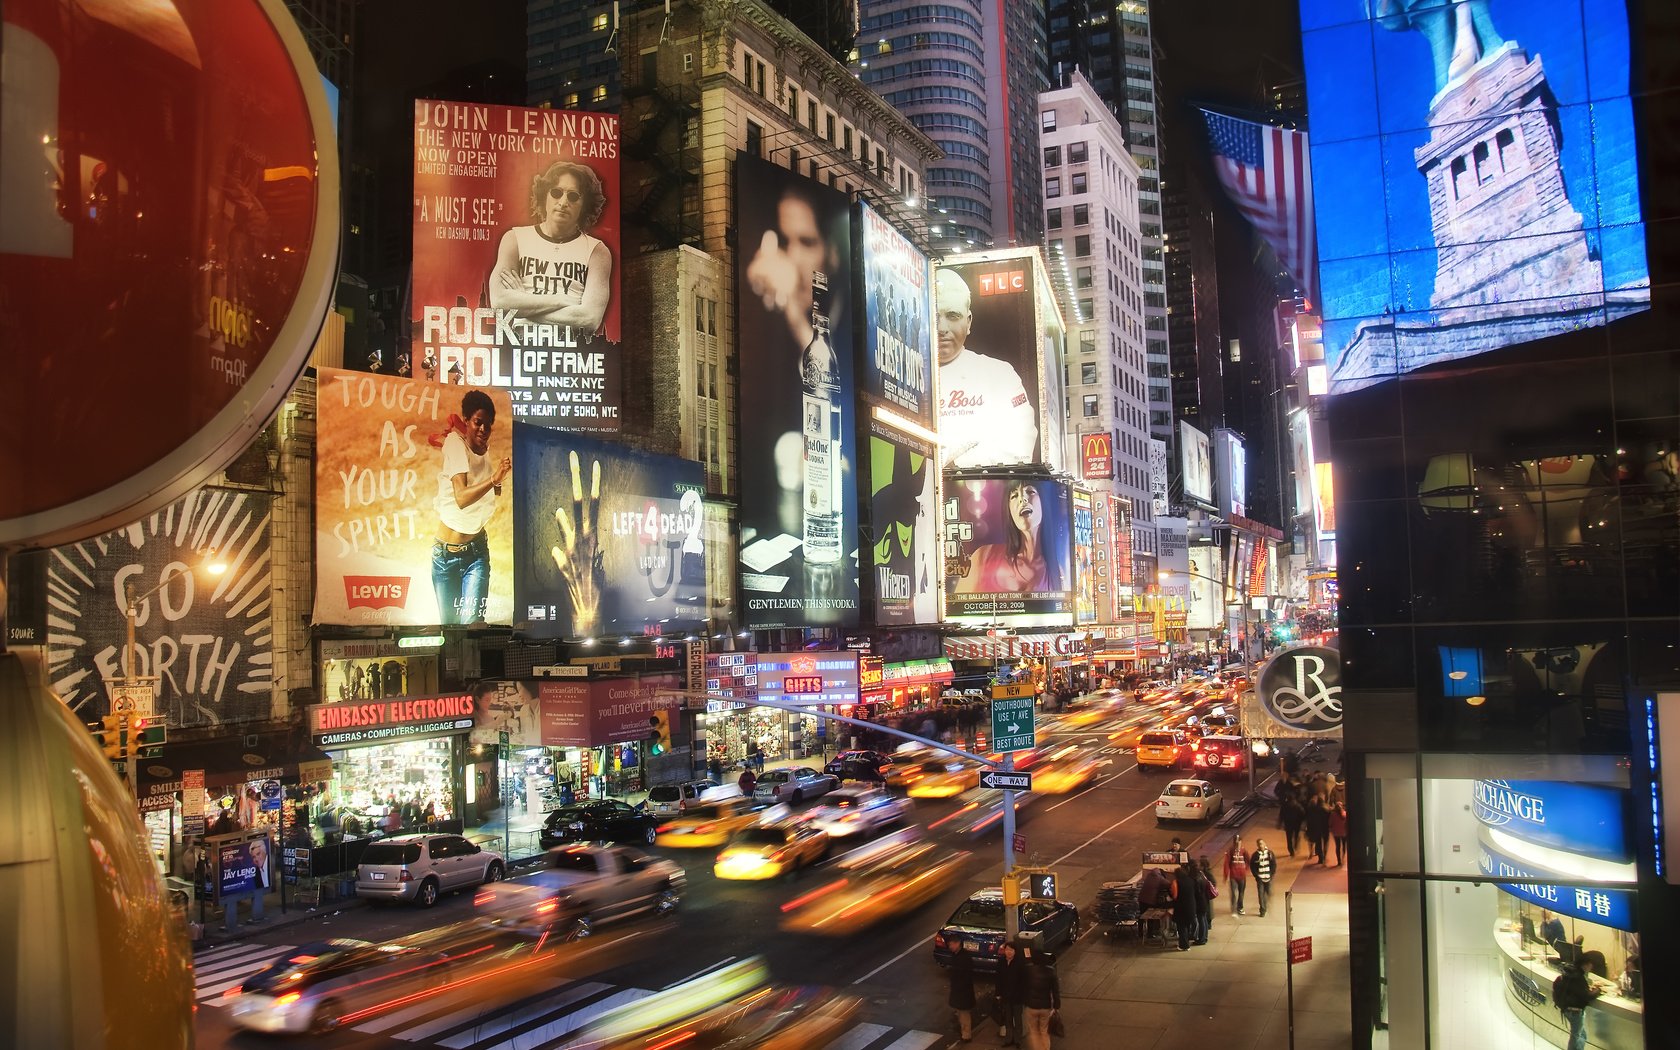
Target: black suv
[(868, 766), (603, 820)]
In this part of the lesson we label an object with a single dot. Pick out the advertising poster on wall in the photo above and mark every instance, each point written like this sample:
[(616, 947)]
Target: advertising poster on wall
[(1158, 476), (208, 638), (413, 497), (1301, 460), (1096, 454), (516, 255), (903, 507), (989, 346), (605, 711), (612, 540), (1195, 459), (799, 514), (245, 867), (897, 320), (1230, 461), (1052, 388), (1206, 595), (1084, 558), (1120, 556), (1007, 548), (1476, 172)]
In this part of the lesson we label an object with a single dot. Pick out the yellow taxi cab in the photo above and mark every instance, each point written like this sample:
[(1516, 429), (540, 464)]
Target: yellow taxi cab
[(944, 778), (894, 882), (1067, 769), (709, 824), (769, 851), (1163, 748)]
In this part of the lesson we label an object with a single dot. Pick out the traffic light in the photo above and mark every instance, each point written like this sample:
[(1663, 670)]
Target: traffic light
[(110, 737), (659, 733)]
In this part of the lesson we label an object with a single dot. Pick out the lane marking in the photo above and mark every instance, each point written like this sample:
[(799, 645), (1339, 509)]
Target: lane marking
[(889, 962), (1145, 808), (859, 1037)]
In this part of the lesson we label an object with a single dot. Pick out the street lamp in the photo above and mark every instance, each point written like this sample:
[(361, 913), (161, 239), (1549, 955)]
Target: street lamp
[(210, 563)]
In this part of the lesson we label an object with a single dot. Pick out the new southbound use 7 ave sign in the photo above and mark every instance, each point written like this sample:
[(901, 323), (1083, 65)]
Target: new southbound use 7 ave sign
[(1012, 720)]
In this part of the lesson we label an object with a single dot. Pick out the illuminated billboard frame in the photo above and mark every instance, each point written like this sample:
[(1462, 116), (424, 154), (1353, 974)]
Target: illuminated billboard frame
[(993, 570)]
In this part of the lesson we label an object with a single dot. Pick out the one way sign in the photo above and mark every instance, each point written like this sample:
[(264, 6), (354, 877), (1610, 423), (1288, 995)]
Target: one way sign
[(1001, 780)]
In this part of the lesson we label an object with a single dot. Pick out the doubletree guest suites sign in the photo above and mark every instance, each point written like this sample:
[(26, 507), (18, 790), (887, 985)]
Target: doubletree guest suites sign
[(377, 721)]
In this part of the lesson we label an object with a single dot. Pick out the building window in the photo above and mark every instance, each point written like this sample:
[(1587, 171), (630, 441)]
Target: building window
[(829, 118), (758, 77), (793, 102), (572, 100), (813, 167), (1052, 156), (1076, 153), (1089, 403), (1053, 187), (1087, 342), (1082, 215), (1082, 277), (755, 139), (1053, 218), (811, 115), (1082, 245), (1079, 182), (1088, 373), (1047, 120), (599, 94), (599, 25), (793, 159)]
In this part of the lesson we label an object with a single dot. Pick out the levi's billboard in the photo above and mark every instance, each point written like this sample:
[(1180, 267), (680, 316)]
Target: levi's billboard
[(413, 498), (516, 240)]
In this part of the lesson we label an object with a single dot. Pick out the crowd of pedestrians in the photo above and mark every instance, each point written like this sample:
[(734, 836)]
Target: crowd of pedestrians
[(1316, 807)]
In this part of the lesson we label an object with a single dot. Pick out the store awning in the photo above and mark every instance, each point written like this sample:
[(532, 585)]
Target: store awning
[(231, 762)]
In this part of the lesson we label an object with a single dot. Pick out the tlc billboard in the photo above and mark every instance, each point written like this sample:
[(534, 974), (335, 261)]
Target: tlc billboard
[(516, 241)]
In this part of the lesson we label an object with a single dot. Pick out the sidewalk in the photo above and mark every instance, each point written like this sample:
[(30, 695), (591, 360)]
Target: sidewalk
[(273, 918)]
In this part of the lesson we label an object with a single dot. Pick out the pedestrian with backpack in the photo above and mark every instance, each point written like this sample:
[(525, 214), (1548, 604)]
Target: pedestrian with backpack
[(1236, 874), (1571, 994)]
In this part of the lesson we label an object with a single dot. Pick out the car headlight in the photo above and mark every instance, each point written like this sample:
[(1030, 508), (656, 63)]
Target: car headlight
[(575, 826)]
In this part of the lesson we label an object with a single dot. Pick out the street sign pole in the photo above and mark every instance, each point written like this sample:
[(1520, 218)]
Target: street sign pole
[(1011, 915), (1289, 959)]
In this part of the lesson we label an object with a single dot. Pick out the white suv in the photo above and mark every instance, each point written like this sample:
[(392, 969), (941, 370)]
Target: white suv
[(672, 800), (420, 867)]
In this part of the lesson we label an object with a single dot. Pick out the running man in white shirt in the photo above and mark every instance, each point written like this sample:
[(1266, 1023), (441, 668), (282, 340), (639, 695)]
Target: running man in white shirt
[(986, 418)]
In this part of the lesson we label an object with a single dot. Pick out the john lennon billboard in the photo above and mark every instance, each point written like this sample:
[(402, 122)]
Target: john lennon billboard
[(1476, 177)]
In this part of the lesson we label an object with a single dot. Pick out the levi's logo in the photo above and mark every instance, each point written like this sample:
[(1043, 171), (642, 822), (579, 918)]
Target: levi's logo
[(376, 592)]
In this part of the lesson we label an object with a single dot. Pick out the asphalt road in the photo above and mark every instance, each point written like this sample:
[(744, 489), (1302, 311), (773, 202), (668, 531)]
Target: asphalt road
[(1088, 837)]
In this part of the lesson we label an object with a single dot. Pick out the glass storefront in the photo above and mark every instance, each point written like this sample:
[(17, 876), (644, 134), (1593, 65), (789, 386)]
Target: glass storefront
[(1467, 961), (414, 779)]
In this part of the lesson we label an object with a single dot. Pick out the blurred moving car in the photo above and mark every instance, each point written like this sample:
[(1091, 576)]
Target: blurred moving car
[(887, 883), (1222, 755), (1220, 723), (769, 851), (793, 784), (1191, 800), (1163, 748), (710, 824), (857, 811), (1067, 768), (601, 820), (666, 800), (978, 923), (980, 811), (869, 766), (321, 985), (905, 765), (735, 1006), (582, 886), (419, 868), (944, 778)]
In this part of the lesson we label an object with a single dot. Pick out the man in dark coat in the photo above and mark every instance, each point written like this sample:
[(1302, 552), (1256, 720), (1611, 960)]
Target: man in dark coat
[(1292, 811), (1011, 987), (1186, 909), (961, 999)]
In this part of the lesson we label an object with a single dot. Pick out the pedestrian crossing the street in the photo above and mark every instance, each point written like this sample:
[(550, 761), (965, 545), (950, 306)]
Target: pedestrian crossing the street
[(542, 1023)]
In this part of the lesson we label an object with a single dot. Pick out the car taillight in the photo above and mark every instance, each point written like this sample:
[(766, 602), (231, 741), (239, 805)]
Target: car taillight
[(1195, 805), (939, 940), (1160, 802), (548, 906), (405, 876), (288, 999), (663, 828), (702, 829)]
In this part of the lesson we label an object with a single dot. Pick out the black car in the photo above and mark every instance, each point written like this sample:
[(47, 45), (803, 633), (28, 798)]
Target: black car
[(868, 766), (604, 820)]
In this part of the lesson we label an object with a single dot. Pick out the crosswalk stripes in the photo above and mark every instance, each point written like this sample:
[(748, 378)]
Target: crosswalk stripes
[(541, 1024), (218, 969)]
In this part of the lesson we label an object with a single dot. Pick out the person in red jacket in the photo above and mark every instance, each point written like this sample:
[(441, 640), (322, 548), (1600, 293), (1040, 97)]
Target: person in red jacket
[(1338, 830), (1236, 874)]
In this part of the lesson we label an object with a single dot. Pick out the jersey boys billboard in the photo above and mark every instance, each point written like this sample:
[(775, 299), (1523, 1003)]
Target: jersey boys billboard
[(1007, 550), (798, 428), (413, 490), (516, 242), (903, 508), (611, 540), (897, 320)]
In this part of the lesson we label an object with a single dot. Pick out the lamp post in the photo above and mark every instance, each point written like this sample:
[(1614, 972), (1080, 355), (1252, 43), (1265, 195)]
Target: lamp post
[(211, 564)]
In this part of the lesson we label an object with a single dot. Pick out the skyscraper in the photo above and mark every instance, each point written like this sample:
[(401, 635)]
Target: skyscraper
[(970, 80)]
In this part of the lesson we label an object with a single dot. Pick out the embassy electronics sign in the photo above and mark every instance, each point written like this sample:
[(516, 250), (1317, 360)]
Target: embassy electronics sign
[(378, 721), (1585, 819)]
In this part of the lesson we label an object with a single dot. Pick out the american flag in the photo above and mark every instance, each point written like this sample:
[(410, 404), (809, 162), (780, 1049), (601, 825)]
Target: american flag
[(1266, 170)]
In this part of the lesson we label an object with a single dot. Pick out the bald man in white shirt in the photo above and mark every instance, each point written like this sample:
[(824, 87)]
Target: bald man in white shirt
[(986, 418)]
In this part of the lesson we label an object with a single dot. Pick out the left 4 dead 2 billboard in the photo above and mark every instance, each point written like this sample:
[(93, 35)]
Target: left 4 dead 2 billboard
[(516, 243), (413, 502), (612, 540)]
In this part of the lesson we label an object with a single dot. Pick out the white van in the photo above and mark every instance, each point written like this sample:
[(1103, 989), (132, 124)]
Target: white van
[(670, 800)]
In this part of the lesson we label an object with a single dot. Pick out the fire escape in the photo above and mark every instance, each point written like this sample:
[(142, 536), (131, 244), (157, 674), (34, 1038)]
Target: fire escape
[(660, 138)]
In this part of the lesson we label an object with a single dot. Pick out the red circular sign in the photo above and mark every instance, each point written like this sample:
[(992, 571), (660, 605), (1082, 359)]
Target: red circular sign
[(168, 244)]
